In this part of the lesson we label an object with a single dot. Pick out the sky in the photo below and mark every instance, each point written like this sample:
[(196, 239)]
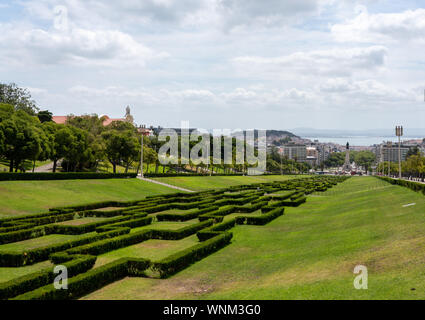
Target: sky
[(270, 64)]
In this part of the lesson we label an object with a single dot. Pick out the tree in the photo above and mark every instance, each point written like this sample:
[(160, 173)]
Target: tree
[(2, 143), (45, 116), (129, 149), (22, 139), (365, 159), (121, 147), (413, 151), (335, 159), (6, 111), (19, 98)]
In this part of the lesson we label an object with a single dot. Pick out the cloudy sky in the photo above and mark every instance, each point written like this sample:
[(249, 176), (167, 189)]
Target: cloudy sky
[(273, 64)]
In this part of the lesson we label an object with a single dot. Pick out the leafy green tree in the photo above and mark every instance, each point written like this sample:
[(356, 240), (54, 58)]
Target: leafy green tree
[(365, 159), (45, 116), (6, 111), (121, 147), (335, 159), (79, 155), (19, 98), (22, 139)]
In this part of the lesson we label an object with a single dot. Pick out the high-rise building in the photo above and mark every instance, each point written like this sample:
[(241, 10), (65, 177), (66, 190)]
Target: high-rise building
[(389, 153), (297, 152)]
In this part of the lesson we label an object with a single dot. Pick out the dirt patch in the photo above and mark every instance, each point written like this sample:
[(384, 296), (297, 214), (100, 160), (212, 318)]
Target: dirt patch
[(108, 209)]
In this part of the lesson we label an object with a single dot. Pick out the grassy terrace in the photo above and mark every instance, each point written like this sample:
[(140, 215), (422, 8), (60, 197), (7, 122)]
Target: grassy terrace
[(26, 197), (205, 183), (309, 253)]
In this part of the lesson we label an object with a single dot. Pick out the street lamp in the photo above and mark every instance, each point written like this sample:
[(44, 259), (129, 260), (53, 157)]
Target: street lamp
[(142, 131), (399, 134), (389, 145)]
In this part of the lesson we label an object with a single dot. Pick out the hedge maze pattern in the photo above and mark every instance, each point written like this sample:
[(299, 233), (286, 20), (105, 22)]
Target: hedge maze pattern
[(216, 211)]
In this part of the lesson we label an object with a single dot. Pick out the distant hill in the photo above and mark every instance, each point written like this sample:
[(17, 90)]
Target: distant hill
[(278, 137)]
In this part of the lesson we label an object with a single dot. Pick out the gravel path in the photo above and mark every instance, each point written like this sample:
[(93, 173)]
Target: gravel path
[(165, 184)]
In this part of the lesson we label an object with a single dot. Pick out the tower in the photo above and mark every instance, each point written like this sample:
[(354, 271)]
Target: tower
[(128, 117), (347, 165)]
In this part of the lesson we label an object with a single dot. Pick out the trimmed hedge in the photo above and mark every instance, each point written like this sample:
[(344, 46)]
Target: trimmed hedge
[(415, 186), (103, 246), (251, 208), (215, 230), (9, 176), (223, 211), (185, 216), (85, 228), (44, 277), (19, 259), (133, 223), (261, 220), (185, 258), (180, 233), (285, 203), (90, 281)]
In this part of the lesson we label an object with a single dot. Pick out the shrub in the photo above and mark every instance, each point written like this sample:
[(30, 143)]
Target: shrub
[(85, 228), (180, 233), (133, 223), (19, 259), (215, 230), (224, 211), (185, 216), (261, 220), (184, 258), (9, 176), (90, 281), (44, 277), (106, 245)]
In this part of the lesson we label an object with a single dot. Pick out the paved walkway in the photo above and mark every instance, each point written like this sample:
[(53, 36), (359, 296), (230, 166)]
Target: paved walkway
[(45, 168), (164, 184)]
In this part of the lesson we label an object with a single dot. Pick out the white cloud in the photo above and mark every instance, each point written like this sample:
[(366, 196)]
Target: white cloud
[(76, 46), (367, 90), (320, 62), (365, 27), (274, 12)]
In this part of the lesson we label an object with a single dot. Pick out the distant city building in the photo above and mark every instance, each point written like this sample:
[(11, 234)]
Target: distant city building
[(385, 152), (297, 152), (312, 156), (106, 119)]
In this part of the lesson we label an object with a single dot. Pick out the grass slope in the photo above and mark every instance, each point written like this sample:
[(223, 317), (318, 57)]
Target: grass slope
[(26, 197), (310, 253), (204, 183)]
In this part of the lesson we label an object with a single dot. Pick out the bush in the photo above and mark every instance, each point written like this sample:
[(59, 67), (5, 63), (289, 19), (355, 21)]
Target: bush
[(19, 259), (224, 211), (185, 216), (215, 230), (133, 223), (85, 228), (183, 259), (90, 281), (261, 220), (106, 245), (9, 176), (415, 186), (44, 277), (180, 233)]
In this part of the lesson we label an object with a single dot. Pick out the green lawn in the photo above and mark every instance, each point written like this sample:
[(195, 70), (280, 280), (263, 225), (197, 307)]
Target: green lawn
[(48, 240), (26, 197), (7, 274), (206, 182), (151, 249), (310, 253)]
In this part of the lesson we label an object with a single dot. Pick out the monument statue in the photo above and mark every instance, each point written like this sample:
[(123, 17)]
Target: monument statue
[(128, 117), (347, 165)]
